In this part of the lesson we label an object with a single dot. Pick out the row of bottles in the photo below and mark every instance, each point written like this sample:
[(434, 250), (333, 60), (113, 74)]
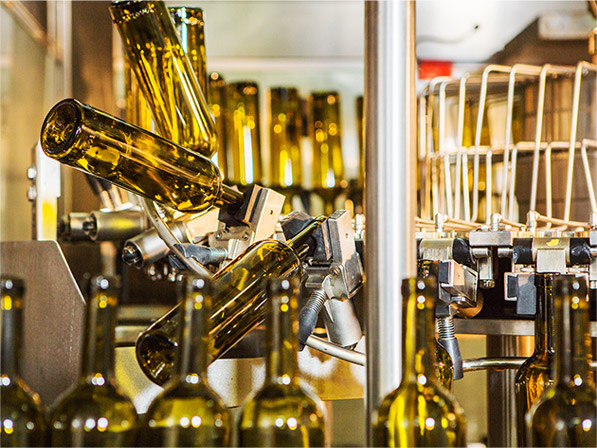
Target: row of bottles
[(95, 411)]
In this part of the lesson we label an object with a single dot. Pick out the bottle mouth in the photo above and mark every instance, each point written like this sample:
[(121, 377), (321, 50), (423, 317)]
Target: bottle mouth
[(155, 354), (60, 128), (126, 10)]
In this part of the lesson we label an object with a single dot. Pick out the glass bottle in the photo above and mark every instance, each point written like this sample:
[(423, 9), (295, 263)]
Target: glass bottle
[(444, 364), (217, 106), (420, 412), (536, 373), (238, 303), (565, 414), (282, 412), (95, 412), (361, 137), (92, 141), (328, 167), (21, 415), (285, 141), (165, 74), (188, 412), (189, 24), (137, 111), (244, 138)]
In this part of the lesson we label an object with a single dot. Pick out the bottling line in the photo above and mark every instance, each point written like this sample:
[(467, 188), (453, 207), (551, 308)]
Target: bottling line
[(473, 212)]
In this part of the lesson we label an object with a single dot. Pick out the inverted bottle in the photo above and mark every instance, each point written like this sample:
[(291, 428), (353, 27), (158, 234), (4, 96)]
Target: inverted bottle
[(188, 412), (565, 413), (420, 412), (238, 303), (22, 419), (165, 74), (100, 144), (283, 412)]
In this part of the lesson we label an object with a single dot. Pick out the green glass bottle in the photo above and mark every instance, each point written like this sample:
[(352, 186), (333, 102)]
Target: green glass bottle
[(420, 412), (244, 136), (444, 364), (92, 141), (328, 167), (188, 412), (537, 374), (282, 412), (217, 106), (189, 24), (95, 412), (565, 415), (285, 142), (238, 303), (165, 74), (21, 415)]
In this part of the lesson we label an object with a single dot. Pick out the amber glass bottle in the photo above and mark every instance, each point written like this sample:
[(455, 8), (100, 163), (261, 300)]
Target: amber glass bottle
[(132, 158), (282, 412), (420, 412), (565, 414), (537, 373), (285, 140), (217, 105), (190, 24), (165, 74), (188, 412), (444, 364), (328, 167), (137, 111), (244, 136), (361, 137), (21, 415), (95, 412), (238, 303)]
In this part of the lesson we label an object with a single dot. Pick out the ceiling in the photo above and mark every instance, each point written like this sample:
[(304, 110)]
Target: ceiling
[(465, 31)]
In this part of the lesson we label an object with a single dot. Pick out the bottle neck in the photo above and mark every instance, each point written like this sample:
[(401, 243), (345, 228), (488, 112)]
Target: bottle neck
[(418, 331), (11, 329), (572, 330), (192, 355), (97, 364), (281, 330), (303, 242), (545, 316)]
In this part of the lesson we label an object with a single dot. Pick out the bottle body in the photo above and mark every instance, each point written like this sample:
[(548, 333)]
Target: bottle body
[(218, 107), (244, 138), (21, 414), (102, 145), (420, 412), (188, 412), (95, 412), (326, 134), (282, 412), (537, 374), (285, 133), (238, 307), (165, 74), (565, 413)]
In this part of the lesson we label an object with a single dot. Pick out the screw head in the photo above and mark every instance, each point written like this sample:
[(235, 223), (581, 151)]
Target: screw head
[(31, 173), (32, 193)]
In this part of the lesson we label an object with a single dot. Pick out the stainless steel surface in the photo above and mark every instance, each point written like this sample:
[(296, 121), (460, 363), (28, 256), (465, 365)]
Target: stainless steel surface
[(117, 225), (54, 310), (390, 205), (501, 413), (472, 365)]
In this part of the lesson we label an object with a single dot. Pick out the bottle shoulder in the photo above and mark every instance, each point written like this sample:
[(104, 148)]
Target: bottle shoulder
[(436, 398), (564, 398), (535, 367), (87, 400), (181, 398), (18, 393)]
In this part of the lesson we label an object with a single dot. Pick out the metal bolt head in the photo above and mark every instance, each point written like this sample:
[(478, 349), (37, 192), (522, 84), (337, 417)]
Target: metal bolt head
[(335, 271), (32, 193), (31, 173), (487, 284), (246, 236), (218, 235)]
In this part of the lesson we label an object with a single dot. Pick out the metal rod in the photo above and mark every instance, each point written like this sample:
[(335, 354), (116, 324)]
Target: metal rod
[(390, 207), (582, 66), (585, 162)]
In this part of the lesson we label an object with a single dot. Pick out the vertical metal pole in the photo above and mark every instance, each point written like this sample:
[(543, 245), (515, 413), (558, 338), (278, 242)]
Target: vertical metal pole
[(390, 207)]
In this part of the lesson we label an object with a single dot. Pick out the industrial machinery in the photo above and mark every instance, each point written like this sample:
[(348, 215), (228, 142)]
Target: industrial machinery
[(490, 178)]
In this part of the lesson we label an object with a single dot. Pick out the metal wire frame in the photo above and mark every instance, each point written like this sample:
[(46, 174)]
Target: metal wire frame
[(438, 163)]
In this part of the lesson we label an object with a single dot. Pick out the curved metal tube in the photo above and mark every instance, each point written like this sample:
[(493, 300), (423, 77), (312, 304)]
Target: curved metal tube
[(168, 237), (335, 350)]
